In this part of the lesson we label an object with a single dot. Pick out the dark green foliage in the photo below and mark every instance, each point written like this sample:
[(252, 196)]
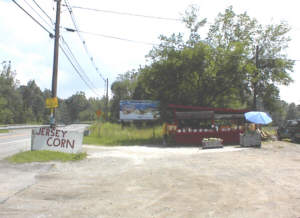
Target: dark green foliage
[(26, 103), (238, 65), (293, 112), (263, 61), (10, 98), (75, 104), (33, 103), (123, 88)]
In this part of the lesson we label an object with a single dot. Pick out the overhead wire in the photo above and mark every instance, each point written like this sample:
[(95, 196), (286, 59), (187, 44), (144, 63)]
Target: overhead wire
[(142, 42), (38, 14), (44, 12), (71, 56), (82, 40), (76, 61), (78, 69), (35, 20), (65, 51), (111, 37), (70, 52), (127, 14)]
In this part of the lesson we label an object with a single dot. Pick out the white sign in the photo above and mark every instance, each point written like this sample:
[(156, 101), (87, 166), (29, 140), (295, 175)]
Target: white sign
[(139, 110), (53, 139)]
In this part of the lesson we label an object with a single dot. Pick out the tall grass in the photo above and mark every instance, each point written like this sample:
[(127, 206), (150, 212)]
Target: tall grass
[(114, 134)]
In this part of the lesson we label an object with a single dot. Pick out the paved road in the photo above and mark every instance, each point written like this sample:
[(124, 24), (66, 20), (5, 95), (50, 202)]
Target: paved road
[(19, 140), (14, 141)]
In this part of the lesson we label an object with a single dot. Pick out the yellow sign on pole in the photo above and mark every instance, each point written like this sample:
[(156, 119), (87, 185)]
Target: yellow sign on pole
[(51, 102)]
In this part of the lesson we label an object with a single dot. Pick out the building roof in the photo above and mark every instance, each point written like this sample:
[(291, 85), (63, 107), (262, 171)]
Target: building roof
[(198, 108)]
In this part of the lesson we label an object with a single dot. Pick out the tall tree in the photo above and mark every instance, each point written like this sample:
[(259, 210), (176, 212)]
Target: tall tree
[(76, 104), (10, 99), (123, 88), (33, 102), (292, 112), (265, 64), (192, 71), (62, 113)]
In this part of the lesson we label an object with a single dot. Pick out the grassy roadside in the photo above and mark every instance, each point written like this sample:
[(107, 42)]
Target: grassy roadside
[(44, 156), (3, 131), (113, 134)]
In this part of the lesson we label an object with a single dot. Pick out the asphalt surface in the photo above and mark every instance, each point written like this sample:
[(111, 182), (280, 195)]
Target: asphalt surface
[(14, 142)]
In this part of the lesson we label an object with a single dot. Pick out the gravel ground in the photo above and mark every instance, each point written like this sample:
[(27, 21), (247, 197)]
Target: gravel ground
[(143, 182)]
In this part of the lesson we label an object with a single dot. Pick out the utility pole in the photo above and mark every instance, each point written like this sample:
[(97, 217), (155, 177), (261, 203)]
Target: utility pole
[(55, 60), (255, 80), (106, 99)]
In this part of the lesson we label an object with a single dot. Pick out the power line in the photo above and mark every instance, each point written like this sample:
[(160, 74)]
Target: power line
[(50, 34), (44, 12), (64, 51), (77, 71), (146, 43), (38, 14), (83, 41), (150, 43), (111, 37), (127, 14), (78, 66), (76, 61)]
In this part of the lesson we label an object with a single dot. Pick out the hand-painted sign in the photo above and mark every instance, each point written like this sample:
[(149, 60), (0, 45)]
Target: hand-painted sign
[(139, 110), (52, 139), (51, 103)]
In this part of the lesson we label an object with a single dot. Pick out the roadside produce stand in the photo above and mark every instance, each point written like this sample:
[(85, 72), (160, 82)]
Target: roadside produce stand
[(252, 137), (194, 123)]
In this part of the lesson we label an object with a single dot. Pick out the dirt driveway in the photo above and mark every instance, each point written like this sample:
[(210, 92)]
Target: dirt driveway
[(158, 182)]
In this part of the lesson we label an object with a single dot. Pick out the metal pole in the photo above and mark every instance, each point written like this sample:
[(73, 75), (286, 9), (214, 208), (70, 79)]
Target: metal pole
[(55, 59), (106, 99), (255, 79)]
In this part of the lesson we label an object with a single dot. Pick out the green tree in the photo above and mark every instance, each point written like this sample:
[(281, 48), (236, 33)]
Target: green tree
[(265, 64), (123, 88), (292, 112), (5, 114), (193, 72), (33, 102), (62, 113), (76, 104), (10, 99)]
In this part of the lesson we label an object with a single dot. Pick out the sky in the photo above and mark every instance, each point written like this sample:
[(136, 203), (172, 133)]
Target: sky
[(30, 49)]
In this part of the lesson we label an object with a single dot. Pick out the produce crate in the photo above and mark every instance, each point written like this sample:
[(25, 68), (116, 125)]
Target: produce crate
[(250, 140), (212, 143)]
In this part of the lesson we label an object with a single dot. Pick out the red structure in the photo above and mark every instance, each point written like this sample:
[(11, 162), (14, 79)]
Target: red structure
[(195, 123)]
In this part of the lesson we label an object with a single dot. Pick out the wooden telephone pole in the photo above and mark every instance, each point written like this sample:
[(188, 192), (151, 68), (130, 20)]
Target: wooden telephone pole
[(55, 59), (254, 107)]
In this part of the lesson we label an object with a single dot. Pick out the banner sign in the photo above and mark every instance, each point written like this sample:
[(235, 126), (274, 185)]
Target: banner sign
[(53, 139), (139, 110)]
